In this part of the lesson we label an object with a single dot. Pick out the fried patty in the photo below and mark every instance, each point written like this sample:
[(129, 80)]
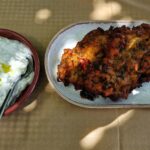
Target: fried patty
[(109, 63)]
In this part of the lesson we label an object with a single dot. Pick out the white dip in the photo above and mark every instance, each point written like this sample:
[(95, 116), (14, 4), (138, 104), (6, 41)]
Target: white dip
[(14, 60)]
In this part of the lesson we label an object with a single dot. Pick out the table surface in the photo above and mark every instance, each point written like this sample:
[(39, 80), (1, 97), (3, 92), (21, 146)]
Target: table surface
[(48, 122)]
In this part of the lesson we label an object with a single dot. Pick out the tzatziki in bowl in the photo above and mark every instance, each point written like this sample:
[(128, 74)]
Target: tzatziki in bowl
[(19, 70)]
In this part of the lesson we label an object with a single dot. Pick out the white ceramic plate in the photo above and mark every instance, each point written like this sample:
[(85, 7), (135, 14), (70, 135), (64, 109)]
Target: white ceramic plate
[(68, 38)]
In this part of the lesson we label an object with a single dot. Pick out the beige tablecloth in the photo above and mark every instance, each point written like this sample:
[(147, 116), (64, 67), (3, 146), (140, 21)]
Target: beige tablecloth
[(49, 122)]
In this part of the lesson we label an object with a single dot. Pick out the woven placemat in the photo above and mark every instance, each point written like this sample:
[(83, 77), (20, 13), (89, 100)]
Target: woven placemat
[(49, 122)]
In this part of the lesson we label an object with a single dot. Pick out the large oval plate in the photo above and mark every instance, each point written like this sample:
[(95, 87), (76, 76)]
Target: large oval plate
[(68, 38)]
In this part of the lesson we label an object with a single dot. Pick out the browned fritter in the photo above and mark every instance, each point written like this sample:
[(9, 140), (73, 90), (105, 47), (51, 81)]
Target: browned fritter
[(110, 63)]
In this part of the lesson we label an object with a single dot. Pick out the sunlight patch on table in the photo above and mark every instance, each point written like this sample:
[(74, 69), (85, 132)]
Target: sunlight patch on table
[(42, 15), (30, 107), (103, 10), (126, 116), (94, 137)]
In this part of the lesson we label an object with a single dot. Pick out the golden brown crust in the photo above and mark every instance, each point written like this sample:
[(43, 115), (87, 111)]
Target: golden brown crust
[(109, 63)]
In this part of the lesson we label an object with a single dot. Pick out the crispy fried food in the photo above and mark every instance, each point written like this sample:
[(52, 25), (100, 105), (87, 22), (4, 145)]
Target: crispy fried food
[(110, 63)]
